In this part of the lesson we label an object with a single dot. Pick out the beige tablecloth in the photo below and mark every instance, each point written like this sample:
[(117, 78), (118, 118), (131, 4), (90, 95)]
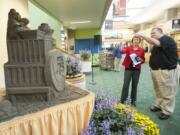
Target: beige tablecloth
[(63, 119)]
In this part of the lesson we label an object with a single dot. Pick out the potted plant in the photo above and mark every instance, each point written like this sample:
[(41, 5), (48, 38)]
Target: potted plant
[(73, 69), (85, 61), (85, 55)]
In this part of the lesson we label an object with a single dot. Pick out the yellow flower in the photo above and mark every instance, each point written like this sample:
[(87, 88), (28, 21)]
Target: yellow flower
[(140, 120)]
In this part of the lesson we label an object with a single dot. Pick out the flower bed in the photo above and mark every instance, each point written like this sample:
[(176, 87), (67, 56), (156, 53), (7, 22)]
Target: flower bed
[(113, 118)]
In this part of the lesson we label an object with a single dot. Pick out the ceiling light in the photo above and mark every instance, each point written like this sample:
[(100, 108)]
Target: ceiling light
[(72, 27), (80, 22)]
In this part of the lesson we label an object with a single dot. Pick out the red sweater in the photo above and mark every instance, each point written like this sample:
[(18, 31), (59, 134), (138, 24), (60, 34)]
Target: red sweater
[(129, 50)]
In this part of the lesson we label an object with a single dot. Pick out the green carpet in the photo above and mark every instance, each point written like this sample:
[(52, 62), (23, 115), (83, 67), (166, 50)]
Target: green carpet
[(111, 82)]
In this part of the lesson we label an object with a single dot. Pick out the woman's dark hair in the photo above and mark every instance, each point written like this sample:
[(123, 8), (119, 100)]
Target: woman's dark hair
[(137, 38)]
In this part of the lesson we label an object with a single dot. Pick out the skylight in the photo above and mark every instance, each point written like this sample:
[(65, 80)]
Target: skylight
[(132, 8)]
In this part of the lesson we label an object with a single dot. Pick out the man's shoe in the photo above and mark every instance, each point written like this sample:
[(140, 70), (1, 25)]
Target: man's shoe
[(155, 109), (163, 116)]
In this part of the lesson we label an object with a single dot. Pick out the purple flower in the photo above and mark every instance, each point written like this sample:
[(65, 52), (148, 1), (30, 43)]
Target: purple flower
[(105, 128), (140, 131), (132, 115), (91, 129), (106, 104), (128, 101), (106, 120), (130, 131), (112, 121)]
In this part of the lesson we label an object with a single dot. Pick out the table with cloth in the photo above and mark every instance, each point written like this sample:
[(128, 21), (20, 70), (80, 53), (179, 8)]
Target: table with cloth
[(69, 118)]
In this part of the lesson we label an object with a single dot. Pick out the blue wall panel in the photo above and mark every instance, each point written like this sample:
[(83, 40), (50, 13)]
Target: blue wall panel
[(86, 44)]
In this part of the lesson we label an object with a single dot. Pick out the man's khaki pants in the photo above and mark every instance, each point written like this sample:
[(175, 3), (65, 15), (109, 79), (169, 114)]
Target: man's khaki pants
[(165, 85)]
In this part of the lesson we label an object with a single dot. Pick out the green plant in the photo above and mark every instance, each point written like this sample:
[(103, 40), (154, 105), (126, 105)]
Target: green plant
[(85, 55)]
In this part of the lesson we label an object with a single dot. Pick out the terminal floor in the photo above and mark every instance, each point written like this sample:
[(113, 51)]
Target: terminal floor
[(111, 82)]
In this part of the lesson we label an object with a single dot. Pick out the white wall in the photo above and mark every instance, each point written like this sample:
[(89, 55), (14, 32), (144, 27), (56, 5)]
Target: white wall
[(38, 15), (21, 6)]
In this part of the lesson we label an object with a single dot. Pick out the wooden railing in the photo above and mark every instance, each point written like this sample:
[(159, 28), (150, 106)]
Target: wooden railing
[(73, 55)]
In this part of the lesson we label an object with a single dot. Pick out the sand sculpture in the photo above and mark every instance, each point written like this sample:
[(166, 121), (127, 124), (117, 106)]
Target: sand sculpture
[(35, 72)]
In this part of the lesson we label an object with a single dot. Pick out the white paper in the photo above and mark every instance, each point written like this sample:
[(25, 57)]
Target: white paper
[(135, 59)]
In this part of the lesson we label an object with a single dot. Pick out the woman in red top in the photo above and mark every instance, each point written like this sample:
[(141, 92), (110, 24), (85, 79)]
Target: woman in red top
[(132, 63)]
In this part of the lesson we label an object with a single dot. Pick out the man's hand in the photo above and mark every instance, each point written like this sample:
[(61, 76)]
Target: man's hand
[(150, 40), (139, 34)]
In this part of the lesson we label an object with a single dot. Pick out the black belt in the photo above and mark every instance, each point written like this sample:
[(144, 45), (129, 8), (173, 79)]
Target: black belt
[(165, 68)]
